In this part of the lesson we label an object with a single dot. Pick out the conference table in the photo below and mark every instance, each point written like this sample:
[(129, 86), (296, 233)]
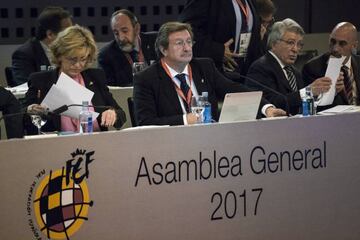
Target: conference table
[(294, 178)]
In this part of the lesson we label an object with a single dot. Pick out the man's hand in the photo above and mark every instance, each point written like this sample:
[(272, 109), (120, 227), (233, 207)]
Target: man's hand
[(274, 112), (229, 62), (192, 118), (321, 85)]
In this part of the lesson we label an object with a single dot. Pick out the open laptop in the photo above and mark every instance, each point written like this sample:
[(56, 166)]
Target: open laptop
[(240, 106)]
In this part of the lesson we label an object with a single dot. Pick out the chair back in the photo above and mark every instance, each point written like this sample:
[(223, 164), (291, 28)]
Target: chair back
[(304, 57), (9, 77), (130, 101)]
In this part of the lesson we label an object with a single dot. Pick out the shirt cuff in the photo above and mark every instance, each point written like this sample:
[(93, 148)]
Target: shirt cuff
[(266, 106), (185, 120)]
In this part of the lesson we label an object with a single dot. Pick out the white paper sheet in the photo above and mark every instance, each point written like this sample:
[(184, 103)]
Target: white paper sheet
[(68, 92), (332, 71), (340, 109)]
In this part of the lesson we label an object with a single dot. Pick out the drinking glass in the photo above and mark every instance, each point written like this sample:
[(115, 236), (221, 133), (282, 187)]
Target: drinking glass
[(197, 108), (38, 120), (138, 66)]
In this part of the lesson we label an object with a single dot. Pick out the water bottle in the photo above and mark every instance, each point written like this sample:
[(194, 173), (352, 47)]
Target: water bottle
[(85, 119), (308, 102), (207, 108)]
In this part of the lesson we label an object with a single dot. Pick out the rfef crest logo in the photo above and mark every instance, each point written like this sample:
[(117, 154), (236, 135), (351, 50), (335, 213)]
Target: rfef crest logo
[(61, 202)]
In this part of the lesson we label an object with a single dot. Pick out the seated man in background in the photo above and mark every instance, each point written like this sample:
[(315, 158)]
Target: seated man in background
[(34, 55), (162, 92), (342, 42), (129, 46), (74, 51), (275, 69), (10, 105)]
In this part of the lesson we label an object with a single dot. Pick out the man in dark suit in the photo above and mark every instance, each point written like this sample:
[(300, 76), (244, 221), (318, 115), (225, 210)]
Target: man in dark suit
[(10, 105), (33, 56), (226, 31), (129, 46), (342, 42), (275, 69), (163, 91)]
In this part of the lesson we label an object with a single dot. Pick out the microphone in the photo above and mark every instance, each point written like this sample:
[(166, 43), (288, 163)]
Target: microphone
[(287, 108), (64, 108)]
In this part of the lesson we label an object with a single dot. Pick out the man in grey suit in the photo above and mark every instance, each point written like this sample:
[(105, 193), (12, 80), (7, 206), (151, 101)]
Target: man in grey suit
[(162, 92), (342, 42)]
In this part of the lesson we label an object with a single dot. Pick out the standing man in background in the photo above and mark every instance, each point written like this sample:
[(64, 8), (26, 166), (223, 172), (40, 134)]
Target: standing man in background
[(129, 46), (342, 42), (228, 31), (34, 55), (266, 11)]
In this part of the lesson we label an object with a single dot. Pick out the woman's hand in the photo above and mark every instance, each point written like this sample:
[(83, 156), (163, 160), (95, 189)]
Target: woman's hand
[(108, 118)]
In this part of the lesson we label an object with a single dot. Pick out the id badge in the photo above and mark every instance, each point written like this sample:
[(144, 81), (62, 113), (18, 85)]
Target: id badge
[(244, 43)]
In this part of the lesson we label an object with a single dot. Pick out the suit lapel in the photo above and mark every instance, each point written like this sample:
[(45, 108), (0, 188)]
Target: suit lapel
[(167, 89), (198, 77), (279, 72)]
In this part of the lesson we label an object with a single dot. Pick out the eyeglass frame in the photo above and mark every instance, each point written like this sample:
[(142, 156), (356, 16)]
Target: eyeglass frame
[(181, 43), (73, 60), (292, 43)]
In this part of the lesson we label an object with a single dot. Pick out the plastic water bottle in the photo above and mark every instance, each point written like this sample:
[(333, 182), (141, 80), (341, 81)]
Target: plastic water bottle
[(207, 108), (308, 103), (85, 119)]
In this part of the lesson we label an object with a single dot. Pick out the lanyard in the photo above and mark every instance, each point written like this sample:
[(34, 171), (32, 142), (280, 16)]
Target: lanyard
[(187, 99), (244, 10)]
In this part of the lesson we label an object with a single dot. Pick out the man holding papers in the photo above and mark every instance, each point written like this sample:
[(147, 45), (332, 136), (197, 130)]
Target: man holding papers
[(163, 91), (342, 42), (74, 50), (276, 68)]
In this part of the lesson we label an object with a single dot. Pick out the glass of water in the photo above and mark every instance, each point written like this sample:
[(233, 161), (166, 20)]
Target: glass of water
[(38, 121), (197, 108)]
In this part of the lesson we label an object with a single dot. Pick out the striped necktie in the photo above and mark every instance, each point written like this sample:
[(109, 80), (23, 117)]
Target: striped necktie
[(291, 77), (348, 83)]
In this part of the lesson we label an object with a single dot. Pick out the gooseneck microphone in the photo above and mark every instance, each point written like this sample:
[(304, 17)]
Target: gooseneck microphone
[(287, 108)]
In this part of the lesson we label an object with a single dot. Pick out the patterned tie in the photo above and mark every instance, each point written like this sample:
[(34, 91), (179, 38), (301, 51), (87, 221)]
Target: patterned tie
[(184, 88), (291, 77), (347, 83)]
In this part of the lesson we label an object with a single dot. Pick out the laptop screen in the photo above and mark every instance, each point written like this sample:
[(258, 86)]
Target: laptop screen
[(240, 106)]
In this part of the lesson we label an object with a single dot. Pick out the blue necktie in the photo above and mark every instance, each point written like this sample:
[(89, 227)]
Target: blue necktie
[(184, 87)]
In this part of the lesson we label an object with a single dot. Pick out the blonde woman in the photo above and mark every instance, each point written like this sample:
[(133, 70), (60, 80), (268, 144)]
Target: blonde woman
[(74, 51)]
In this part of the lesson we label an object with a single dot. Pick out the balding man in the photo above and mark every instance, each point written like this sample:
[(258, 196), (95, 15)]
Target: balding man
[(342, 42), (129, 45)]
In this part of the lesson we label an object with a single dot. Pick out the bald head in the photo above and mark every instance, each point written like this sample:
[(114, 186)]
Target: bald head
[(347, 29), (343, 39)]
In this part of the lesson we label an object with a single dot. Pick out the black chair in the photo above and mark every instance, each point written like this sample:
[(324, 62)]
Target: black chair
[(130, 101), (9, 77), (304, 57)]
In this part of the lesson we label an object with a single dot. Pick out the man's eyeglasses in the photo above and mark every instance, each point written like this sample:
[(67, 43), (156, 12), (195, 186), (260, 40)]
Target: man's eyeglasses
[(341, 43), (181, 43), (292, 43), (75, 60)]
